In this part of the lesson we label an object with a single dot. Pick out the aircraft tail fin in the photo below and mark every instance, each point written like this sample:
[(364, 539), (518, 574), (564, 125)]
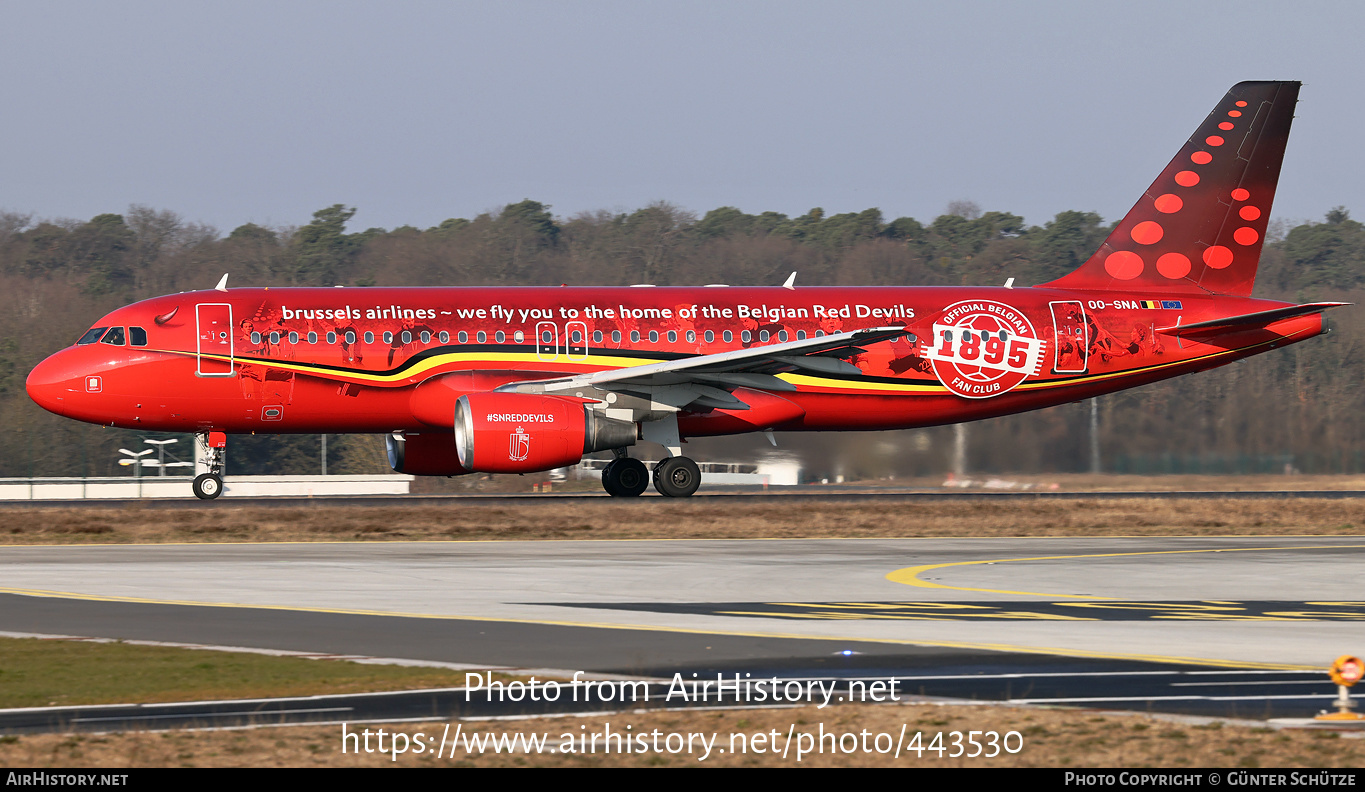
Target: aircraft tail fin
[(1200, 226)]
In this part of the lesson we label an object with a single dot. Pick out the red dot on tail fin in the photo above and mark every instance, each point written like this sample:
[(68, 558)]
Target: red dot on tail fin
[(1240, 195), (1187, 178), (1246, 236), (1249, 213), (1168, 203), (1201, 158), (1123, 264), (1213, 140), (1147, 233), (1173, 265), (1218, 257)]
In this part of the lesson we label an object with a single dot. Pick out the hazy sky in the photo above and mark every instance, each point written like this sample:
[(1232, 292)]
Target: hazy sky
[(413, 112)]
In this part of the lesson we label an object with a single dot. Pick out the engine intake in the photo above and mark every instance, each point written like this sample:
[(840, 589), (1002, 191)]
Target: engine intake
[(524, 432)]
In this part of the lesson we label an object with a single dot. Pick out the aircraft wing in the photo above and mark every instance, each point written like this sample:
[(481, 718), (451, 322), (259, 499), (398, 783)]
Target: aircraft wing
[(707, 380)]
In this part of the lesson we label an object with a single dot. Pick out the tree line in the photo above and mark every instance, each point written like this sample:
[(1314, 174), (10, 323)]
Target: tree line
[(1295, 409)]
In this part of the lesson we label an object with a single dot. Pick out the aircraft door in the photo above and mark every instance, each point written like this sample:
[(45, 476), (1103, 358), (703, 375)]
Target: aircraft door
[(1068, 323), (213, 330), (576, 340), (547, 340)]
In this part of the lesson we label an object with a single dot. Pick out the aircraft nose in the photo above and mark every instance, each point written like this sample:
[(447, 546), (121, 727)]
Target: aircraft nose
[(51, 383)]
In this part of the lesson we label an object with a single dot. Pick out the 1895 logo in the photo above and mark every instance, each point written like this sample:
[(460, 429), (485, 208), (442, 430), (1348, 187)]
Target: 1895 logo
[(982, 348)]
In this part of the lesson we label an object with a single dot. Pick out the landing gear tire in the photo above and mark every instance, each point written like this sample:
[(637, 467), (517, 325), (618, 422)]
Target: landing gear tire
[(677, 477), (625, 477), (207, 486)]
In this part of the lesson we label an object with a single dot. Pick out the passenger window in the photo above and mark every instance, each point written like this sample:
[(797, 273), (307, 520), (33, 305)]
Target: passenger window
[(782, 335), (331, 337), (710, 337), (800, 335), (500, 337), (577, 337), (274, 338), (293, 337), (350, 336), (729, 337), (672, 336), (137, 336), (483, 337), (255, 338), (763, 335), (388, 337), (634, 336), (369, 337), (464, 337), (691, 337), (114, 336), (92, 335), (426, 337), (312, 337), (520, 336), (597, 336), (616, 336), (653, 336), (819, 333), (746, 336), (445, 337)]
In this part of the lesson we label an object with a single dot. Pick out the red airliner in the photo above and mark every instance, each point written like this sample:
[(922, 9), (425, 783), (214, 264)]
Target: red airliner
[(528, 379)]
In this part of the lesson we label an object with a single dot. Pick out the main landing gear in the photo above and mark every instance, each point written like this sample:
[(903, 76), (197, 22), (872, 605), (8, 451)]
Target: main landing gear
[(675, 477), (208, 486), (625, 477)]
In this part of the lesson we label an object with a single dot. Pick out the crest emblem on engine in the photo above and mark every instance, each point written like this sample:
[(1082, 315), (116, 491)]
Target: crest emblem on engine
[(983, 348), (519, 445)]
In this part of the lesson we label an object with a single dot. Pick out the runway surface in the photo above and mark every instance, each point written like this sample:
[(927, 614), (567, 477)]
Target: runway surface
[(887, 495), (968, 616)]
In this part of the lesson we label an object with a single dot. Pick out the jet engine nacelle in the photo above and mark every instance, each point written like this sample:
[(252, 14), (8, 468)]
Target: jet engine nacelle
[(525, 432), (426, 454)]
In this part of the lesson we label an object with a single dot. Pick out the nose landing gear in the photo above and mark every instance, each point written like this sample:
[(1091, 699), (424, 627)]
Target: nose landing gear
[(208, 486)]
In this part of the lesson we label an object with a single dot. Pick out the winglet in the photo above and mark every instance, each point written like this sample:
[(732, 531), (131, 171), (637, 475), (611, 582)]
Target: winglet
[(790, 282), (222, 284)]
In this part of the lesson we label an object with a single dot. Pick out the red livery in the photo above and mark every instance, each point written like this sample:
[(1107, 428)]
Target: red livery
[(519, 380)]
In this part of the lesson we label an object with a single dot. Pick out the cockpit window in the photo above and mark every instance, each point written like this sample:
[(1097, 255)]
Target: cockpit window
[(92, 335), (137, 336), (114, 336)]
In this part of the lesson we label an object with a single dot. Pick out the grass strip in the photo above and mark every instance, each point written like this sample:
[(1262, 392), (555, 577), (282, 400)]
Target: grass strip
[(44, 672)]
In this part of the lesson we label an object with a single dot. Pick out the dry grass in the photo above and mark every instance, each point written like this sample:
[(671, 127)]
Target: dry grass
[(49, 673), (1051, 738), (701, 518)]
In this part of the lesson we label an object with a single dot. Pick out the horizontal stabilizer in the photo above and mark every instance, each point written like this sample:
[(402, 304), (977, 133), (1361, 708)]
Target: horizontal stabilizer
[(1249, 321)]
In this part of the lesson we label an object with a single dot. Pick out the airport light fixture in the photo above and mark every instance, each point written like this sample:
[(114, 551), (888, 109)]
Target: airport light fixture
[(135, 459), (161, 455)]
